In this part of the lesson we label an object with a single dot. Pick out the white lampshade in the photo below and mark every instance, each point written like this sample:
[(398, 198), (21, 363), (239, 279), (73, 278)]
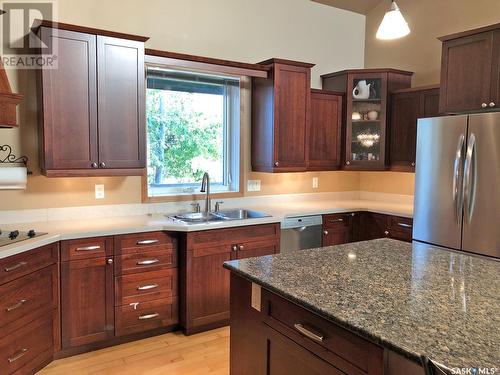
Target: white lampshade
[(393, 24)]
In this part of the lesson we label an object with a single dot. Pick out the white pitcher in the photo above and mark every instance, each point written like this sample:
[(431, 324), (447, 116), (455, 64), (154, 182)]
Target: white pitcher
[(362, 90)]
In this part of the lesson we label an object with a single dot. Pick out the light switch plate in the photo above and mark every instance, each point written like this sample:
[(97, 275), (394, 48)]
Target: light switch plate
[(315, 182), (253, 185), (99, 191)]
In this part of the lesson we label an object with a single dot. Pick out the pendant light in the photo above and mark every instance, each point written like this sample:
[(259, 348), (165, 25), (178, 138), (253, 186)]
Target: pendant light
[(393, 25)]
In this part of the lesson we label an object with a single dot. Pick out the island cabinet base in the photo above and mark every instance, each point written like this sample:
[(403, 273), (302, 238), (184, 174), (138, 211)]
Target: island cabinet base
[(273, 336)]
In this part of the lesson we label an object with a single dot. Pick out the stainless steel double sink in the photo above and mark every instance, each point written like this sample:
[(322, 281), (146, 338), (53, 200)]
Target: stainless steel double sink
[(201, 217)]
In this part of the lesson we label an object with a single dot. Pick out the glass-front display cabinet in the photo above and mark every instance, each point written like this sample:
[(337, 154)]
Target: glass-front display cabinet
[(367, 94)]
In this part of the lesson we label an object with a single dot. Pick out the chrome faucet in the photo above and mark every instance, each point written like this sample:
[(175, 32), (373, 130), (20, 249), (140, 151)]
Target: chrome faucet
[(205, 187)]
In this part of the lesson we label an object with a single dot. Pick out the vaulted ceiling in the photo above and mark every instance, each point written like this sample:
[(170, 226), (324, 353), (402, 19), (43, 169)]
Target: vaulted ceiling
[(358, 6)]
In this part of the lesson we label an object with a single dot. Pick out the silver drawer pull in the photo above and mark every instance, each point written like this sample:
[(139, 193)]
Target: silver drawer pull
[(147, 242), (16, 306), (18, 355), (15, 266), (148, 316), (147, 262), (148, 287), (336, 220), (88, 248), (404, 225), (313, 336)]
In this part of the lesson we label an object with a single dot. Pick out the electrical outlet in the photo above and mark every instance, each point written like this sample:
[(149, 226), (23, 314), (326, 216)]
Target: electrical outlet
[(253, 185), (99, 191), (315, 182)]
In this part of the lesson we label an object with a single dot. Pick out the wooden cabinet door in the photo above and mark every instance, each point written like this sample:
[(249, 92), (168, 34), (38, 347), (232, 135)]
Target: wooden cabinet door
[(405, 110), (429, 103), (324, 131), (120, 78), (284, 356), (69, 102), (291, 111), (87, 305), (255, 249), (373, 226), (466, 73), (335, 236), (207, 296)]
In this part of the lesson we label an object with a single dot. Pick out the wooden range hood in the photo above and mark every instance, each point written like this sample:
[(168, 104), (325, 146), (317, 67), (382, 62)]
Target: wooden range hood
[(8, 102)]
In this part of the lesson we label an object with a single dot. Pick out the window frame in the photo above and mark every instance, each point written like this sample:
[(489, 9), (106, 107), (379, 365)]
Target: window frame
[(169, 63)]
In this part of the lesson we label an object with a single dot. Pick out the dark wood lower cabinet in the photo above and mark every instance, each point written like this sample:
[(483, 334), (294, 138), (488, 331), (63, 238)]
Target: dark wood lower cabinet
[(267, 342), (87, 301), (204, 281)]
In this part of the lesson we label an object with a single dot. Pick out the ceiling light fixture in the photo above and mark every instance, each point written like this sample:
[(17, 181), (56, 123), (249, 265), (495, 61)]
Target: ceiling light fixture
[(393, 25)]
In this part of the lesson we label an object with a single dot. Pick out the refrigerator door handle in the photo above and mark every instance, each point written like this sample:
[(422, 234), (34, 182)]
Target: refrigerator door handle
[(470, 177), (457, 186)]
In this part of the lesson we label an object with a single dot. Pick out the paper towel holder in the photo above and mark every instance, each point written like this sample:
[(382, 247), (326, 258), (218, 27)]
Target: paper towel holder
[(7, 157)]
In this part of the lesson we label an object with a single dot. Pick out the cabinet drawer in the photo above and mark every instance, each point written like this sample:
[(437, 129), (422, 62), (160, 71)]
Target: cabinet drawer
[(230, 236), (29, 296), (146, 286), (148, 260), (143, 316), (401, 228), (334, 221), (136, 243), (346, 351), (86, 248), (28, 348), (28, 262)]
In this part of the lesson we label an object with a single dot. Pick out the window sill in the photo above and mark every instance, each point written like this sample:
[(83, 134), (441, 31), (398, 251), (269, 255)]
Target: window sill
[(189, 197)]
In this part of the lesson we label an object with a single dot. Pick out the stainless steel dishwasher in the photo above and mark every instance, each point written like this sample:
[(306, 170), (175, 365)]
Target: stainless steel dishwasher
[(299, 233)]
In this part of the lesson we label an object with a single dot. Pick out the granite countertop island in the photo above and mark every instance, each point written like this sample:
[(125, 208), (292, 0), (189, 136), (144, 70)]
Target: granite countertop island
[(414, 299)]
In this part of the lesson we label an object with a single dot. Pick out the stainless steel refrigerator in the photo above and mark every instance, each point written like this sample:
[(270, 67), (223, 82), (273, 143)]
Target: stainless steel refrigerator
[(457, 183)]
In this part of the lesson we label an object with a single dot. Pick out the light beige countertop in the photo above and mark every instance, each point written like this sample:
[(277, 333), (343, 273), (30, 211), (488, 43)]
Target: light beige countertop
[(71, 228)]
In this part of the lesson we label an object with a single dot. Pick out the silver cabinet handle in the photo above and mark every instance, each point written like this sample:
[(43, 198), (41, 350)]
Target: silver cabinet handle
[(15, 266), (348, 162), (148, 316), (276, 163), (234, 247), (147, 287), (110, 261), (412, 163), (147, 262), (313, 336), (102, 164), (325, 232), (18, 355), (404, 225), (88, 248), (147, 242), (16, 306), (386, 232), (336, 220), (492, 104), (484, 105), (94, 165), (241, 247), (457, 186), (470, 177)]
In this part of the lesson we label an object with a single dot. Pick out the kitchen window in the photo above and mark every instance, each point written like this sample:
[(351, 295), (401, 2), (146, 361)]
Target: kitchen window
[(193, 126)]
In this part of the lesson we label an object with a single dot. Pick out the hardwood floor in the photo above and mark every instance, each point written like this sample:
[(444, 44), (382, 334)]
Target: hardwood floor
[(172, 353)]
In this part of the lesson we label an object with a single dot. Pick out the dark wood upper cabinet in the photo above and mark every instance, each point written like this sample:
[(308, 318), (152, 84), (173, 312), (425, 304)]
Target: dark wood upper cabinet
[(470, 70), (121, 102), (325, 130), (93, 104), (69, 93), (407, 106), (280, 117), (367, 93)]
